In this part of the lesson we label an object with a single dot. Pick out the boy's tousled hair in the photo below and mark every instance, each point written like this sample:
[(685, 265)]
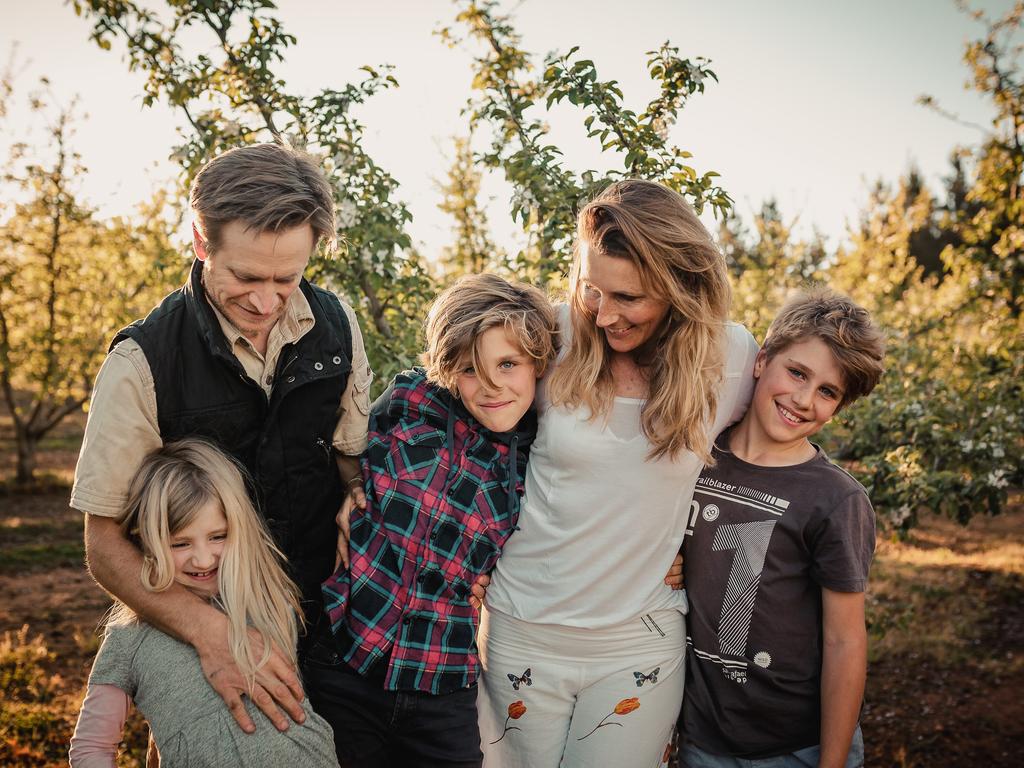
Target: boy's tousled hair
[(856, 343), (653, 228), (166, 493), (266, 187), (472, 306)]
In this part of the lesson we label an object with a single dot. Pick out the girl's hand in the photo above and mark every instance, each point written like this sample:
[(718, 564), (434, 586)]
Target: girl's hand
[(356, 497), (674, 577), (277, 684)]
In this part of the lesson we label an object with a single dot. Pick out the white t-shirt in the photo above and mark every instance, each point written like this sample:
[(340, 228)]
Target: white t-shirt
[(600, 524)]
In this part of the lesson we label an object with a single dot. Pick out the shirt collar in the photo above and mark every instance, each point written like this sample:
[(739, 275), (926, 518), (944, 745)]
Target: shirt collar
[(296, 321)]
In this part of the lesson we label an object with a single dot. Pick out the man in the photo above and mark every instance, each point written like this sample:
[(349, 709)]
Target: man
[(252, 357)]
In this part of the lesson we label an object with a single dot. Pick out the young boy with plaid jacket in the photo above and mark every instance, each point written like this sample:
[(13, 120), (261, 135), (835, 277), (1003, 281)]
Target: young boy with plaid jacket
[(442, 478)]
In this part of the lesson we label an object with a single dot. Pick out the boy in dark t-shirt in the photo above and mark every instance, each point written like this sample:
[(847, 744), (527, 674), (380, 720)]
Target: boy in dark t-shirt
[(776, 558)]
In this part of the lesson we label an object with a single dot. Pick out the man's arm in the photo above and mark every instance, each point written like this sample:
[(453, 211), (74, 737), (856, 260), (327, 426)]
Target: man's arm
[(355, 496), (843, 671), (350, 435), (115, 563)]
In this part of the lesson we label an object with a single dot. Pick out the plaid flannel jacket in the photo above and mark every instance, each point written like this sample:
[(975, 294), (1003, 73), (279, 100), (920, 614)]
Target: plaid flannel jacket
[(430, 527)]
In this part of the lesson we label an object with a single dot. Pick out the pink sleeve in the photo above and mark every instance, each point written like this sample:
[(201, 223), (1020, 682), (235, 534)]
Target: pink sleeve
[(100, 726)]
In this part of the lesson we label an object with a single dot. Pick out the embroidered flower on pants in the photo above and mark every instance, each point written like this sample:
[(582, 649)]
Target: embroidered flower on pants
[(515, 710), (624, 707)]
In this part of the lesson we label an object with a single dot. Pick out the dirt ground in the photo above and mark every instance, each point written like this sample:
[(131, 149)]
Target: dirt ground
[(945, 610)]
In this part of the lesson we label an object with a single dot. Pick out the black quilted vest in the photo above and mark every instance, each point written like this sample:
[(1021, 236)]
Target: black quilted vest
[(284, 441)]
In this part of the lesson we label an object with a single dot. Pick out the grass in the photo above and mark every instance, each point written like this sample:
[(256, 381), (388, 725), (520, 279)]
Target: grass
[(35, 539), (29, 719), (39, 709), (37, 557), (22, 667), (923, 597)]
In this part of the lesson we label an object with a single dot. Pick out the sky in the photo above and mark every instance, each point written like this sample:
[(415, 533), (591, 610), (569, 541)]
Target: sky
[(815, 99)]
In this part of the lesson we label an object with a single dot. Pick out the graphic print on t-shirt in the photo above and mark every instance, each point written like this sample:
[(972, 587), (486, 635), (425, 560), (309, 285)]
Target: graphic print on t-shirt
[(748, 542)]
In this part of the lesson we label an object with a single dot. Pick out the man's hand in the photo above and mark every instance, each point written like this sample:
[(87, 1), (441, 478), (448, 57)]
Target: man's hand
[(479, 590), (277, 685), (356, 497), (115, 563), (674, 577)]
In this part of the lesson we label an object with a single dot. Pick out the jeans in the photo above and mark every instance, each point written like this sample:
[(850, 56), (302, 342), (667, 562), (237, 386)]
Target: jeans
[(377, 728), (691, 756)]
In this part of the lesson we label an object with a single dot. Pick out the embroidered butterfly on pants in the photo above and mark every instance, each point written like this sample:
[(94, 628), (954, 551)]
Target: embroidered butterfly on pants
[(641, 678), (522, 680)]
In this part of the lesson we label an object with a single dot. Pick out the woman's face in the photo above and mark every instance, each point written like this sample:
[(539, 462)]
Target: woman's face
[(612, 291)]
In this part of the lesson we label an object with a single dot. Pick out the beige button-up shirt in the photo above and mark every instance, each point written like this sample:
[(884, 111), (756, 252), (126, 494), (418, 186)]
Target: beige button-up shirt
[(122, 427)]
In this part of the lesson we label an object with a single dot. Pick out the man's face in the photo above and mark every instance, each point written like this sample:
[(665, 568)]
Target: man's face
[(251, 274)]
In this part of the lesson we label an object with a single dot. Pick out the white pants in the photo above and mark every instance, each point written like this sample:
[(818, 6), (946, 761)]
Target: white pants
[(553, 696)]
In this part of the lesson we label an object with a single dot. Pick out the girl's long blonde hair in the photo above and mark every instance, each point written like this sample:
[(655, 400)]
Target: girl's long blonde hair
[(678, 262), (170, 487)]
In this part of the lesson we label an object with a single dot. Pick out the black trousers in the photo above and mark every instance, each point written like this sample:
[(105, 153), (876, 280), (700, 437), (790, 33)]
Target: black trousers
[(377, 728)]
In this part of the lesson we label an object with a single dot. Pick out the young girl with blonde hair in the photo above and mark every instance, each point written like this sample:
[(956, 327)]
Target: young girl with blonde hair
[(189, 513), (582, 643)]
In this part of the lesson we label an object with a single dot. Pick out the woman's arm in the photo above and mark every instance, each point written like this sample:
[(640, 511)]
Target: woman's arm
[(100, 726)]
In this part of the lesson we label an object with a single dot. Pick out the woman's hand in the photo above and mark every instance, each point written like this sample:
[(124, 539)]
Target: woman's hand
[(674, 577)]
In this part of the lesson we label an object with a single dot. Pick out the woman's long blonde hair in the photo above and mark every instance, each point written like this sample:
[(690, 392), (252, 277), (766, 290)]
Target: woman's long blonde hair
[(168, 490), (678, 262)]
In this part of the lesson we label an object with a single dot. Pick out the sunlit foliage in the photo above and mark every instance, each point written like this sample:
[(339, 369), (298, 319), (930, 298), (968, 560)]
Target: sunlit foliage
[(68, 280)]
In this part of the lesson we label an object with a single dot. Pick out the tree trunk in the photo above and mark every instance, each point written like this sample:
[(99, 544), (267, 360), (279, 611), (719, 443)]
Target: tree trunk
[(27, 448)]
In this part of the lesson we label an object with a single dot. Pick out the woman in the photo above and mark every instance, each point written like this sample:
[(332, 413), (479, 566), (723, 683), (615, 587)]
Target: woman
[(582, 642)]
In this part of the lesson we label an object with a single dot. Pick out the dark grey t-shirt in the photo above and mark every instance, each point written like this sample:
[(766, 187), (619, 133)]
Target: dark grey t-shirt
[(760, 544)]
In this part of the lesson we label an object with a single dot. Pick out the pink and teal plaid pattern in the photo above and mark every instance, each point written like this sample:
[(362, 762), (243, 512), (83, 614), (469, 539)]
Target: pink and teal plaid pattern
[(429, 529)]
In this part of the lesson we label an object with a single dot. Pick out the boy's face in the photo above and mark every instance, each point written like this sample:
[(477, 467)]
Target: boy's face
[(499, 408), (798, 391)]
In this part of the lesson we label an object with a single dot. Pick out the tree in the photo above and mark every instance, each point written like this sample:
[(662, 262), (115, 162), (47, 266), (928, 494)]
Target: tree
[(228, 94), (942, 430), (988, 226), (767, 264), (67, 282), (213, 61), (474, 250), (509, 102)]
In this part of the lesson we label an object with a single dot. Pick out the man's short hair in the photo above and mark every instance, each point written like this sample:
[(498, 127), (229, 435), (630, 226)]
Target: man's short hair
[(857, 344), (267, 187), (471, 307)]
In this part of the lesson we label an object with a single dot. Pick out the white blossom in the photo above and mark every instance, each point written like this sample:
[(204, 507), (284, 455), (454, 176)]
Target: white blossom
[(347, 213), (901, 514), (996, 480), (342, 160)]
